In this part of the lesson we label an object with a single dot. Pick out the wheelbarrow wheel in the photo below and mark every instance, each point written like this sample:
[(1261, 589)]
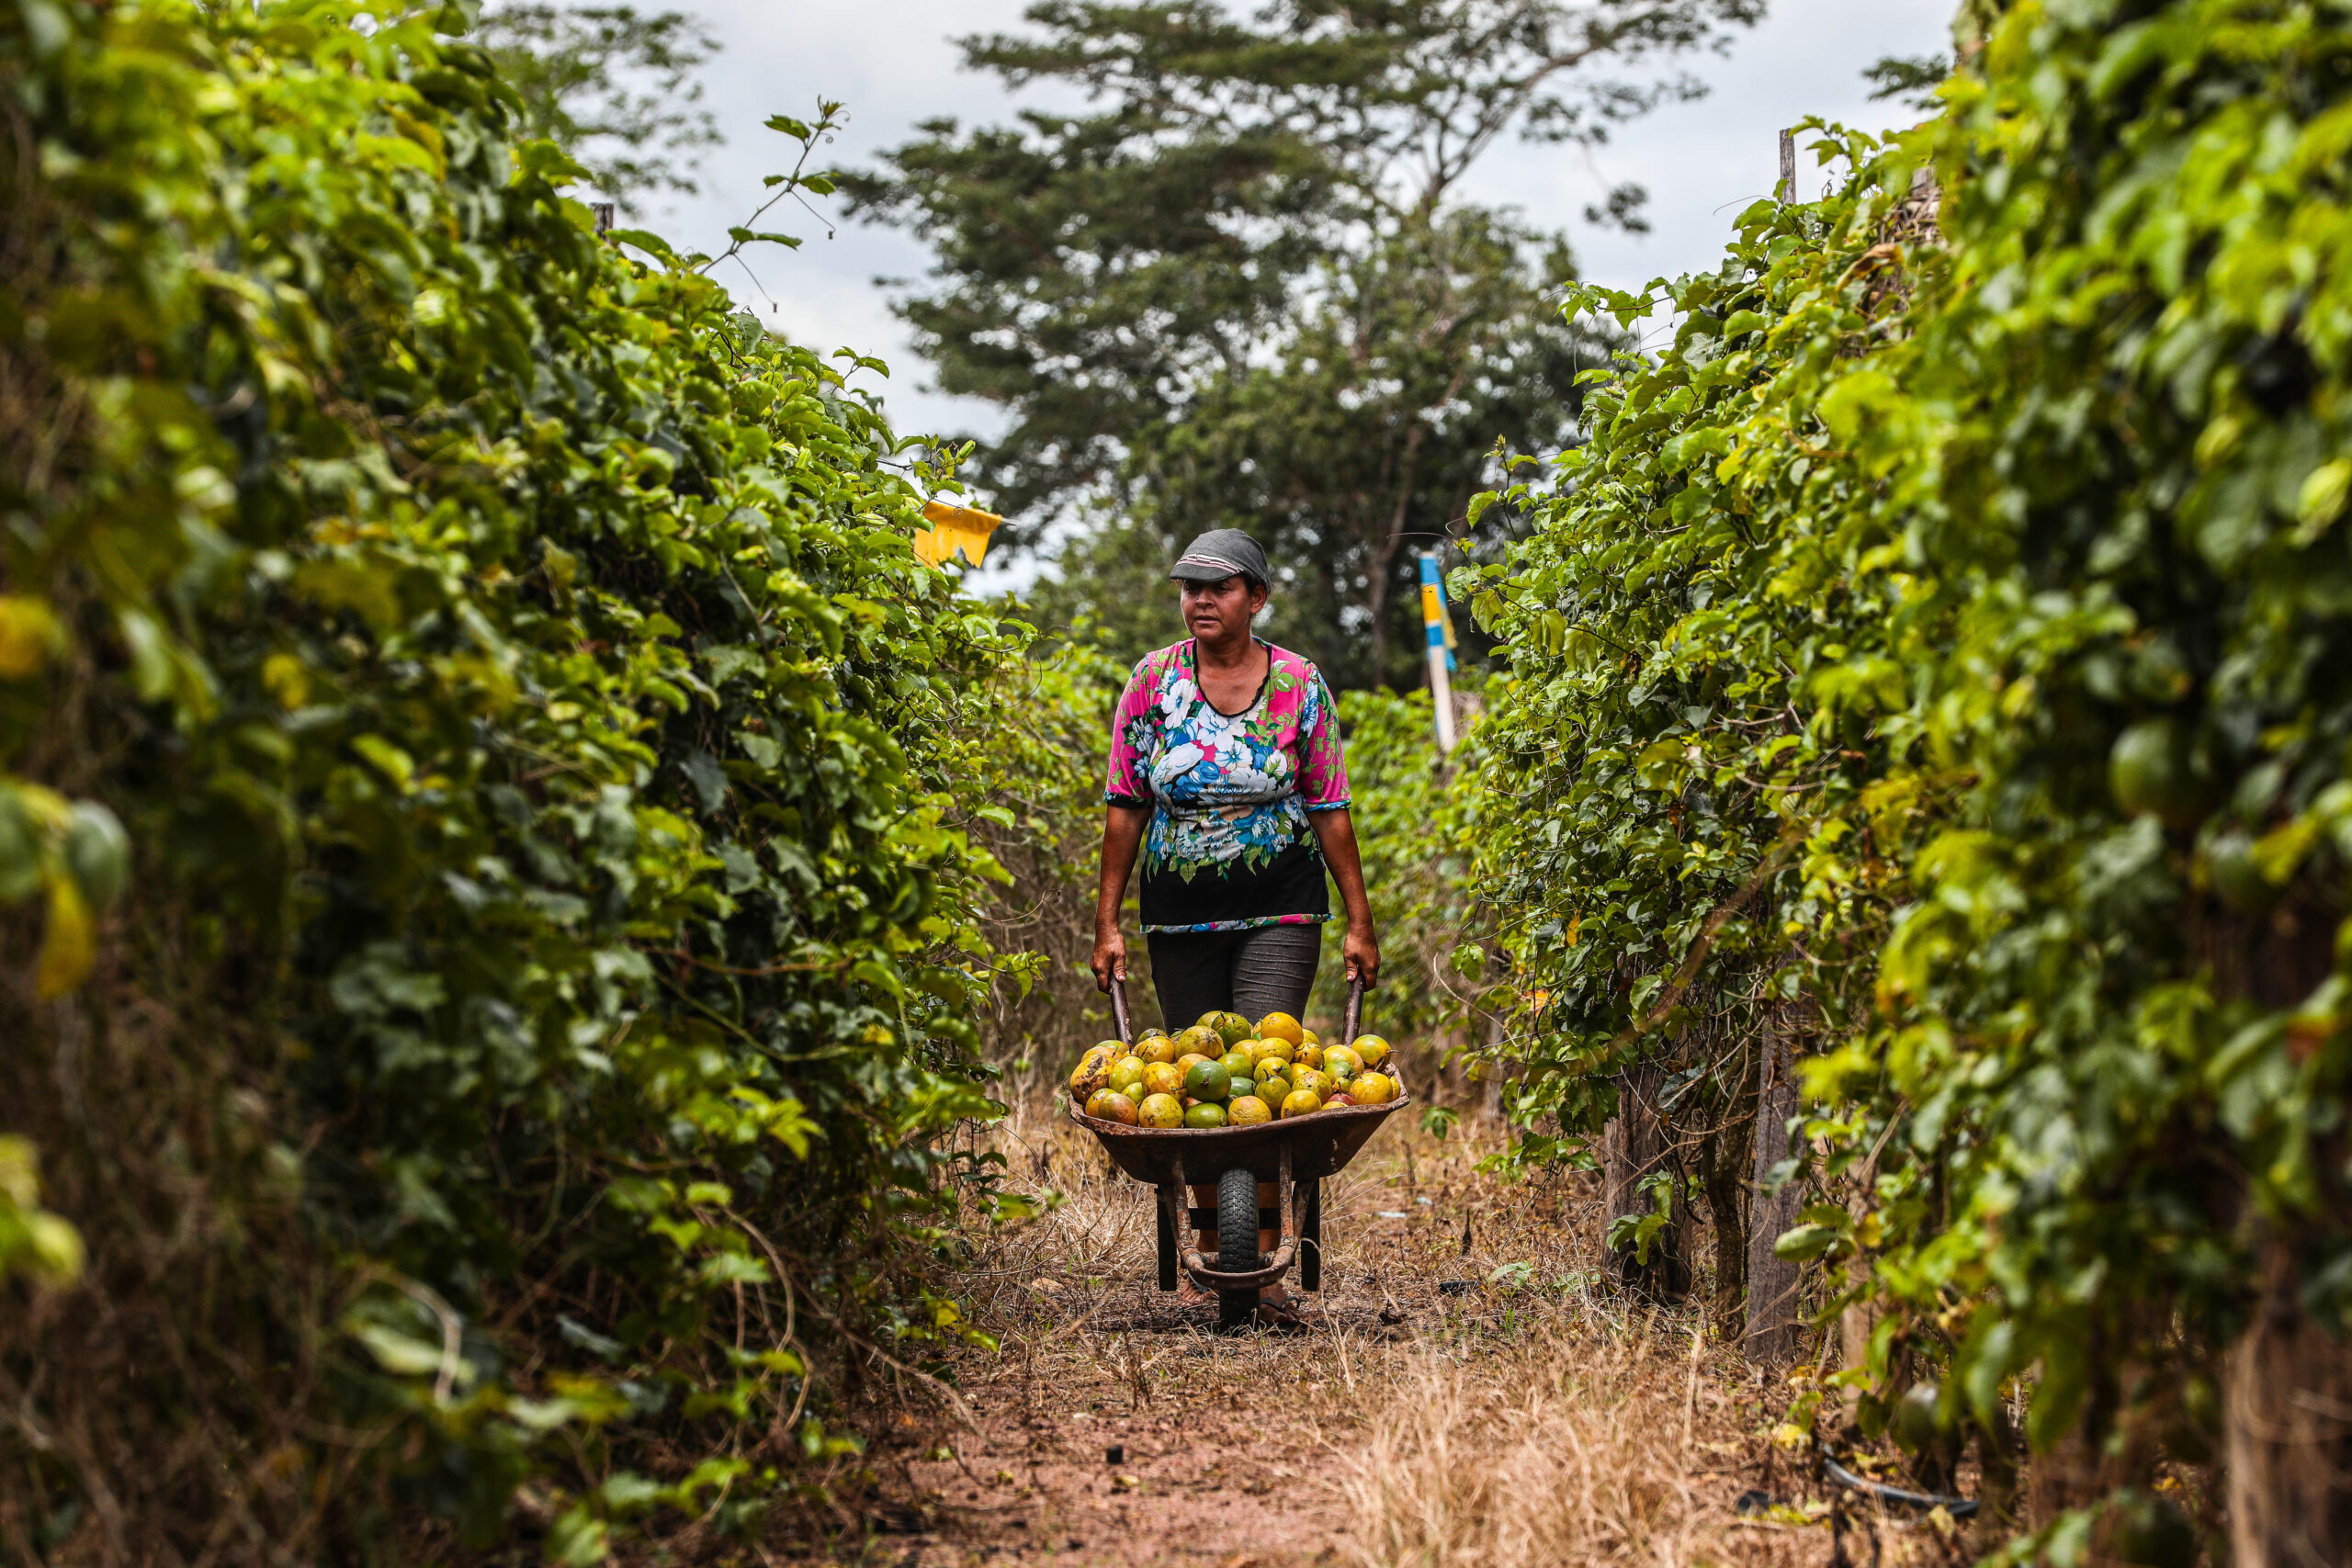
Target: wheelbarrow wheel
[(1237, 1243)]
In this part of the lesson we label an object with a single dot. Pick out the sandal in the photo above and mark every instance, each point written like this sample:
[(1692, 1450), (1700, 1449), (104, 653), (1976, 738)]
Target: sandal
[(1281, 1316)]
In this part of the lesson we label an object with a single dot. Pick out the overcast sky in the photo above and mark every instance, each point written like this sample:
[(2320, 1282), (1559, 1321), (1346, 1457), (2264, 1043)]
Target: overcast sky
[(894, 62)]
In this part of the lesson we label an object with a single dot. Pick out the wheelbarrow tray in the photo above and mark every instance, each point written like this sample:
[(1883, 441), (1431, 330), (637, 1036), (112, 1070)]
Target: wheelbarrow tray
[(1320, 1144), (1295, 1154)]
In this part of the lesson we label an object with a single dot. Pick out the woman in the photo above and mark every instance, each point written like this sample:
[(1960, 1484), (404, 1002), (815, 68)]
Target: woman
[(1226, 770)]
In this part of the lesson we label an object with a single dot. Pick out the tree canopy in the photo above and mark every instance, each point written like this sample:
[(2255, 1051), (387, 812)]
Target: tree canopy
[(1240, 287)]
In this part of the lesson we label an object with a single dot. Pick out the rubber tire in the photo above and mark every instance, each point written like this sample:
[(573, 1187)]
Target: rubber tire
[(1237, 1244)]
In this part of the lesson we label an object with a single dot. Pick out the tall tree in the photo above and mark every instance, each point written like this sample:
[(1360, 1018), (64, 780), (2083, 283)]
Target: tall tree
[(1240, 287), (612, 85)]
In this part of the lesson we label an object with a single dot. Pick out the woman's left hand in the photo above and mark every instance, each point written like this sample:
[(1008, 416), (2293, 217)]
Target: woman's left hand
[(1361, 950)]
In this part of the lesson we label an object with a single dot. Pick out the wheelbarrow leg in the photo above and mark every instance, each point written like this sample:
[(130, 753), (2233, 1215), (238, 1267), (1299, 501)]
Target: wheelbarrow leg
[(1310, 1238), (1171, 1199)]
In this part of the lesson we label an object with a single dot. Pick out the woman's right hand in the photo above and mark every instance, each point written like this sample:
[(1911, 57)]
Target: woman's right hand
[(1110, 957)]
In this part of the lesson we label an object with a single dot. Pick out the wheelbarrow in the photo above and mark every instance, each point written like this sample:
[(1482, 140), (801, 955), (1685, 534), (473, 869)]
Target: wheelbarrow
[(1293, 1155)]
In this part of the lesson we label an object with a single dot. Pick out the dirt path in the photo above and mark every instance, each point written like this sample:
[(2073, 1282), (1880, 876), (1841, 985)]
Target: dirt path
[(1466, 1392)]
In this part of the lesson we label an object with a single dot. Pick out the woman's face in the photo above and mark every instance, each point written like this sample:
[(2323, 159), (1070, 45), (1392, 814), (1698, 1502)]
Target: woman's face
[(1221, 612)]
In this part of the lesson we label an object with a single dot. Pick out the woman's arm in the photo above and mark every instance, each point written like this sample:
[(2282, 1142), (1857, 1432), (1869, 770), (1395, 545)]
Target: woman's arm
[(1362, 946), (1122, 836)]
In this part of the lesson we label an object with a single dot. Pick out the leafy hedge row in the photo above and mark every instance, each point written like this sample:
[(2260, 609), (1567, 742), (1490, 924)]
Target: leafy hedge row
[(1415, 834), (1959, 639), (478, 748)]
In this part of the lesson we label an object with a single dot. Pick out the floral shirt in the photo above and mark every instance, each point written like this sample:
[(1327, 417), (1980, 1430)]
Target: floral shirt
[(1229, 846)]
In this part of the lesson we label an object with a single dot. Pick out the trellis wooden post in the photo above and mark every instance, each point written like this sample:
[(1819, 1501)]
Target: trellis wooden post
[(1775, 1307)]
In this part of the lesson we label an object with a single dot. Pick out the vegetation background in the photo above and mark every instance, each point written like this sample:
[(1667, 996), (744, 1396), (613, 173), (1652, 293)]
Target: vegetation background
[(529, 899)]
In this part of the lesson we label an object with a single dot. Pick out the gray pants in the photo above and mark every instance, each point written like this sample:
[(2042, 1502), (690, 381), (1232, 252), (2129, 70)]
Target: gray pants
[(1255, 972)]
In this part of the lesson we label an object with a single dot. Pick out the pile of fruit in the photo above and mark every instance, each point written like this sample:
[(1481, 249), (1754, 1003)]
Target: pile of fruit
[(1223, 1073)]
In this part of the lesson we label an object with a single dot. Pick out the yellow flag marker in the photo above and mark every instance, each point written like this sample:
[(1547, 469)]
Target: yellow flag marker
[(953, 528)]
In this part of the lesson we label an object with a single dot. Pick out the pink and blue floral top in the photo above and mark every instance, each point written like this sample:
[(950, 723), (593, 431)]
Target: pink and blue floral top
[(1229, 846)]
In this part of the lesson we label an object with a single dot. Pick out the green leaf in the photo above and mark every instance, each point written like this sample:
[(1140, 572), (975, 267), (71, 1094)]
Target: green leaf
[(577, 1539), (1805, 1242)]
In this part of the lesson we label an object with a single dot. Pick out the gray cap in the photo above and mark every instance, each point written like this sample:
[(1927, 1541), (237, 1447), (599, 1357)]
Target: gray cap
[(1221, 553)]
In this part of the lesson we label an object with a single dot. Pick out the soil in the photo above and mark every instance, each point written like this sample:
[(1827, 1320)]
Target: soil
[(1175, 1443), (1117, 1425)]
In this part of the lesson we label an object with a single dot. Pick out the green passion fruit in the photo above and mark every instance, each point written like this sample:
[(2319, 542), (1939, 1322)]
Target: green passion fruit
[(1230, 1027), (1208, 1080), (2233, 872), (2155, 770), (1207, 1113)]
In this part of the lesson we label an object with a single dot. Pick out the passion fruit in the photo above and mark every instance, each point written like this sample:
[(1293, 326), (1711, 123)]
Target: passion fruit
[(1248, 1110), (1093, 1069), (1208, 1080), (1370, 1049), (2233, 874), (1110, 1105), (1231, 1027), (1206, 1114), (1280, 1026), (2155, 770), (1200, 1041), (1160, 1111), (1125, 1073), (1156, 1047), (1301, 1102), (1162, 1077), (1237, 1067)]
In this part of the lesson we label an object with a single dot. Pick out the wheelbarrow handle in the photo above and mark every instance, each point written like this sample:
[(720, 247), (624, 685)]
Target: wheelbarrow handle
[(1119, 1018), (1349, 1031)]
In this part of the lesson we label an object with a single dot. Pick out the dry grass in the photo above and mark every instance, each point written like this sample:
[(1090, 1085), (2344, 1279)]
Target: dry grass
[(1469, 1393)]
